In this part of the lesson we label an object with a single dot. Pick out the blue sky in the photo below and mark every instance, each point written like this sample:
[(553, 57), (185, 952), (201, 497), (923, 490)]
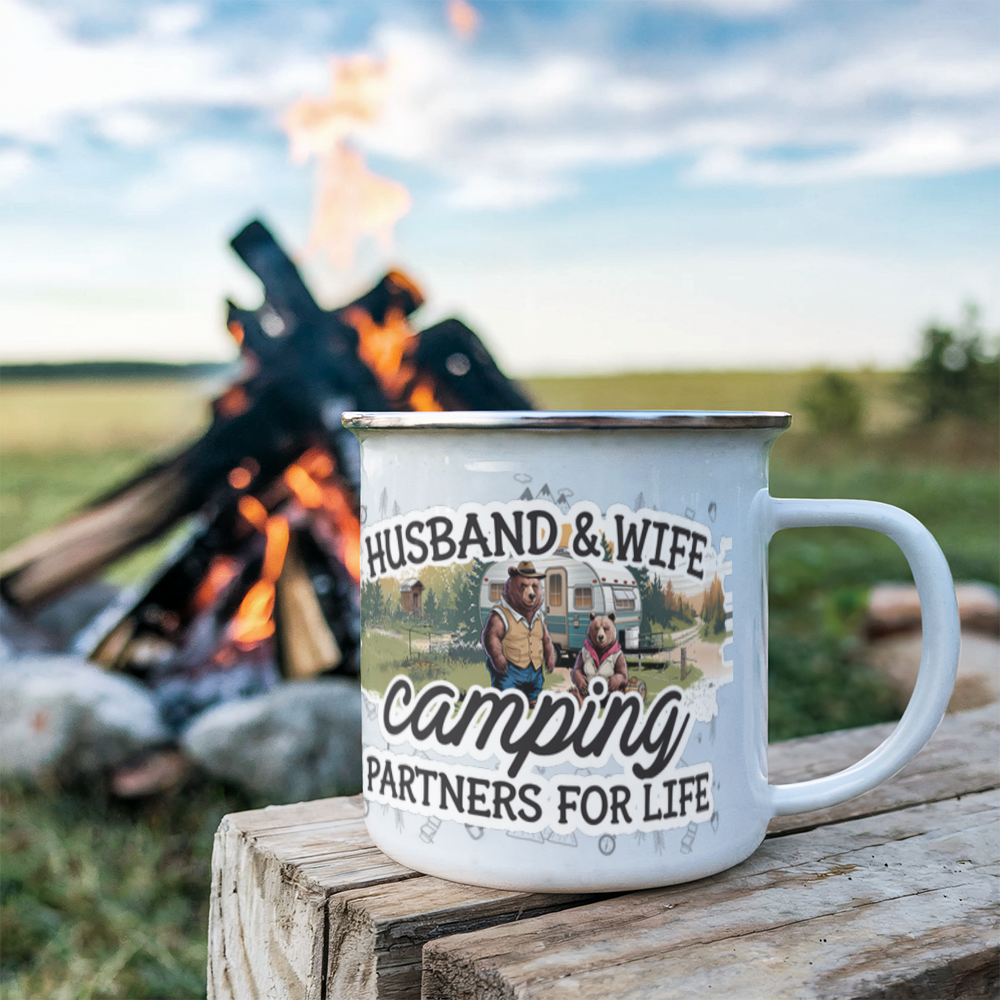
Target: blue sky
[(597, 186)]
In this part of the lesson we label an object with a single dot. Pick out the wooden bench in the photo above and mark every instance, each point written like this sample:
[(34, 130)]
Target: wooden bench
[(893, 894)]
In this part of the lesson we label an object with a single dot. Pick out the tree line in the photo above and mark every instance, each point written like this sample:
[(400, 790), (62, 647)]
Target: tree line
[(454, 607)]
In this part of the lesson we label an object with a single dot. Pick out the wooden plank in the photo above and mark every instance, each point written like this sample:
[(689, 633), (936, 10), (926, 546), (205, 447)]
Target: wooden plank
[(960, 758), (308, 647), (296, 907), (377, 934), (369, 961), (353, 923), (853, 909), (272, 873)]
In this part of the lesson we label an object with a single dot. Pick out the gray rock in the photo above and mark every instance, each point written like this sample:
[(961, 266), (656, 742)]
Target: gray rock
[(895, 607), (977, 684), (64, 717), (65, 617), (300, 741), (20, 635)]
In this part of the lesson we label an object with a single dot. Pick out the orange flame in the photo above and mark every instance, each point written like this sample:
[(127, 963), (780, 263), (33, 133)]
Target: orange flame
[(463, 18), (222, 570), (239, 478), (316, 487), (352, 202), (303, 486), (233, 402), (254, 511), (422, 397), (358, 86), (385, 350), (317, 463), (254, 619), (276, 547)]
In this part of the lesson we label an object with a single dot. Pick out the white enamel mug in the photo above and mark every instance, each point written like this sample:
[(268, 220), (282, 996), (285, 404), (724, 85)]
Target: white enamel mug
[(564, 644)]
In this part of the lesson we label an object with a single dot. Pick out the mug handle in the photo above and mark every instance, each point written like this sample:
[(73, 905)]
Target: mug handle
[(939, 656)]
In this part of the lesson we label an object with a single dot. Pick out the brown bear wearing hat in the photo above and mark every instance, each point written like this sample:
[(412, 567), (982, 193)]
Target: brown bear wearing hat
[(515, 638)]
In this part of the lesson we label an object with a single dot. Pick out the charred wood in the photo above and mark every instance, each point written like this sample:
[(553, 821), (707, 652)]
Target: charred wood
[(466, 376), (221, 616), (295, 388)]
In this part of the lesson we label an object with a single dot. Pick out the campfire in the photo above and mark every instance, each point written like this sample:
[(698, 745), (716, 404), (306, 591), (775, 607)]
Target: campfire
[(265, 585)]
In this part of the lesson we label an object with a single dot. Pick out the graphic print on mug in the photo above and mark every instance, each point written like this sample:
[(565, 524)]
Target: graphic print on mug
[(539, 634)]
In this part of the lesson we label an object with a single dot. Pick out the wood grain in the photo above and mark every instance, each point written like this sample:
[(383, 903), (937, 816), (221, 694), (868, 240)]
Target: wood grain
[(272, 873), (961, 757), (308, 647), (304, 905), (838, 911), (378, 933)]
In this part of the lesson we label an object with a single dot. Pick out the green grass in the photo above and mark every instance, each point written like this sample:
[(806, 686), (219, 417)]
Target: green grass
[(820, 578), (40, 489), (103, 899), (656, 679), (101, 416), (385, 656)]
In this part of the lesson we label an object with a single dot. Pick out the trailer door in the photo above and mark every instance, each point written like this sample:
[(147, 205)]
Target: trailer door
[(556, 596)]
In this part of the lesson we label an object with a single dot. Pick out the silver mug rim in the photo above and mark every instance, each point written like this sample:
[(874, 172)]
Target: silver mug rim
[(566, 420)]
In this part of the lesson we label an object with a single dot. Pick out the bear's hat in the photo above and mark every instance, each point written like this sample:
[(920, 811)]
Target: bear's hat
[(525, 568)]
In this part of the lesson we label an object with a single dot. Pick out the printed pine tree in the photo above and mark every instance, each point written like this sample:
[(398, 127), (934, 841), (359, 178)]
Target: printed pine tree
[(713, 611), (464, 619), (430, 608), (373, 603)]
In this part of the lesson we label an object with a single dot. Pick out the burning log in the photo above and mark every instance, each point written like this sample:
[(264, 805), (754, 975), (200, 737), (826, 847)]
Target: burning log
[(269, 575), (308, 646), (284, 559), (464, 374), (291, 399), (303, 366)]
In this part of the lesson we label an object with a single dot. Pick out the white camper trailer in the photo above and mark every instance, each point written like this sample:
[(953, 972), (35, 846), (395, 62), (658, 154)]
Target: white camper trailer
[(572, 590)]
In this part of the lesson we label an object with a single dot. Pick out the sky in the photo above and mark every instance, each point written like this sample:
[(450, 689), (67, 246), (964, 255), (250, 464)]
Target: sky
[(596, 186)]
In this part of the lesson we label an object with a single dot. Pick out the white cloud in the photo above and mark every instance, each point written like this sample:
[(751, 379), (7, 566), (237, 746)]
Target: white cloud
[(895, 91), (129, 128), (14, 164), (174, 19), (193, 169), (485, 190), (893, 98), (50, 78), (733, 8)]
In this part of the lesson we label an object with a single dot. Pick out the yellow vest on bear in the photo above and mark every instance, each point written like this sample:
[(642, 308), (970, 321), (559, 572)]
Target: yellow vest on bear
[(523, 646)]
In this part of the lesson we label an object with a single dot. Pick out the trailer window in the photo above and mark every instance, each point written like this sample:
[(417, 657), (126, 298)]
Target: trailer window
[(554, 583), (624, 599), (583, 597), (496, 591)]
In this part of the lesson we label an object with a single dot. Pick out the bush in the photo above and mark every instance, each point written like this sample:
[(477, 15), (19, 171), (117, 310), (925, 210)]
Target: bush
[(834, 405), (956, 374)]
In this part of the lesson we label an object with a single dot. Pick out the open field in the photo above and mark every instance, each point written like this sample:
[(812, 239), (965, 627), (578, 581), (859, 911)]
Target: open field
[(104, 899), (52, 417), (86, 415), (716, 391)]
